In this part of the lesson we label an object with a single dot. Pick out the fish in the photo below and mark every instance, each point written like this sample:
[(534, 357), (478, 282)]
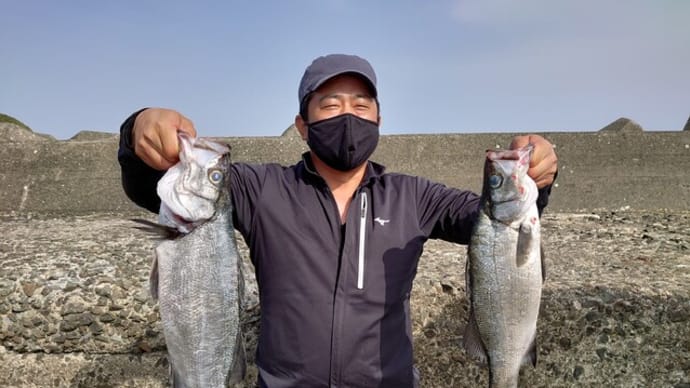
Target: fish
[(505, 271), (196, 275)]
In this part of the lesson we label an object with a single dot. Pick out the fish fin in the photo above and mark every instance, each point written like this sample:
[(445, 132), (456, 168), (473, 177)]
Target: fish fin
[(153, 277), (524, 244), (531, 356), (472, 341), (239, 368), (162, 232)]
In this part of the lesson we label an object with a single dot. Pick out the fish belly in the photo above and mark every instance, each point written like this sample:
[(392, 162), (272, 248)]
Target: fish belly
[(199, 295), (505, 296)]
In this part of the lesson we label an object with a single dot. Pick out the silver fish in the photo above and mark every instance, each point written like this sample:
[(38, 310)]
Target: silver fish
[(504, 271), (196, 274)]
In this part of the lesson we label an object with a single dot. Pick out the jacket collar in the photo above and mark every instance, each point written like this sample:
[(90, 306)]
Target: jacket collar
[(374, 170)]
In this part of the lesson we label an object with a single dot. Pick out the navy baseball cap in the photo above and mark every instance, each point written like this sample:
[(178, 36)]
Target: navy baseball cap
[(324, 68)]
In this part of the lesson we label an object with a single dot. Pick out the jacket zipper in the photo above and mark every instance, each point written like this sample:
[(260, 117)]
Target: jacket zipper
[(362, 238)]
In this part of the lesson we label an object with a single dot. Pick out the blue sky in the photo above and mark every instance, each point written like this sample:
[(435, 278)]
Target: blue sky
[(462, 66)]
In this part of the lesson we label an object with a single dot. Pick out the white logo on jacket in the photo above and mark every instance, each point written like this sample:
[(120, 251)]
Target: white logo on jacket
[(381, 221)]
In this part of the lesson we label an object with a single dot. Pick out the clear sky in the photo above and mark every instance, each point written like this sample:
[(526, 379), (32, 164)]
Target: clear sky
[(233, 67)]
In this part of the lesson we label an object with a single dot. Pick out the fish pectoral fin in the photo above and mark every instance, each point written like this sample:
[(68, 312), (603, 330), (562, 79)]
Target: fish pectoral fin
[(239, 367), (472, 342), (525, 245), (153, 277)]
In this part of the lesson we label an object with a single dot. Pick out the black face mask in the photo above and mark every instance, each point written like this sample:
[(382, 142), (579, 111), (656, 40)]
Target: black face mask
[(343, 142)]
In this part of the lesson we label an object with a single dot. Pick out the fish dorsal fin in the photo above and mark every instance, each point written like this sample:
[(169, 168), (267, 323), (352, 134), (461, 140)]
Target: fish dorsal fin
[(158, 231)]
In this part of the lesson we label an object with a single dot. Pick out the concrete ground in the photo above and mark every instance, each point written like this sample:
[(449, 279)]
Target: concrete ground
[(74, 308)]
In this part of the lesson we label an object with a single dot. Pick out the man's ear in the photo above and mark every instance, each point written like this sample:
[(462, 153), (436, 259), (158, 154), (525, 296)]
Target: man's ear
[(301, 127)]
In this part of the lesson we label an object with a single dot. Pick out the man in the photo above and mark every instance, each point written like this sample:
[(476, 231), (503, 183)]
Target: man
[(334, 240)]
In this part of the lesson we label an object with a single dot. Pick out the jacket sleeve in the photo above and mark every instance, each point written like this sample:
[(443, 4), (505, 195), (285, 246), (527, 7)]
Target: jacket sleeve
[(449, 214), (138, 179), (544, 193), (446, 213), (246, 184)]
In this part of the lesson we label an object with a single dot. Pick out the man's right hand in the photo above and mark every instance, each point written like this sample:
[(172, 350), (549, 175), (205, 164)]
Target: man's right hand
[(154, 136)]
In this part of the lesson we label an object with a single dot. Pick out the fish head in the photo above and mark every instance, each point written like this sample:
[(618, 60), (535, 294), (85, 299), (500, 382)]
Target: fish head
[(508, 191), (191, 189)]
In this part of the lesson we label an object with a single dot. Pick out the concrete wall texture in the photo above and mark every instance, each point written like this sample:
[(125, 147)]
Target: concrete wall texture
[(620, 166)]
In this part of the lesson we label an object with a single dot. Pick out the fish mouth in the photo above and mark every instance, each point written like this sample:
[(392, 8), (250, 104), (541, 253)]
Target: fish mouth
[(178, 218), (181, 220)]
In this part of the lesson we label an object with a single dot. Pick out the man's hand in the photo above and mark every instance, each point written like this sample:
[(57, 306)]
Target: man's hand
[(544, 163), (154, 136)]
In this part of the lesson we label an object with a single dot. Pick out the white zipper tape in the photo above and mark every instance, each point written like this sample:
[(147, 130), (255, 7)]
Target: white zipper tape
[(362, 237)]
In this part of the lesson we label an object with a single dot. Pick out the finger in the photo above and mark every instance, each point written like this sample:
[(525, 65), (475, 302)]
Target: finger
[(542, 151), (153, 158), (542, 148), (154, 148), (145, 146), (543, 162), (544, 172), (169, 146), (187, 126), (544, 180)]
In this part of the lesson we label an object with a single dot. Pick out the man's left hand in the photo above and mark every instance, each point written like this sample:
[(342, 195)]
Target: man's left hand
[(544, 162)]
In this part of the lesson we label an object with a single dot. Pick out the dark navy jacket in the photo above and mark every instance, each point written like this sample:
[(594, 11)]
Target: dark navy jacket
[(335, 300)]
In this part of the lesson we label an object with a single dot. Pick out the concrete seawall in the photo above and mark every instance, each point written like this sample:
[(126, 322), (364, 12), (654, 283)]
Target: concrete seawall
[(598, 170)]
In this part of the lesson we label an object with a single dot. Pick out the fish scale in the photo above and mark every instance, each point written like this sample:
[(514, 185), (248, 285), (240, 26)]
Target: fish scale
[(199, 310)]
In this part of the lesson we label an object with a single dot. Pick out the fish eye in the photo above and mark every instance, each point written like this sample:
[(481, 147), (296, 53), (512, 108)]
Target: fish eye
[(495, 181), (215, 176)]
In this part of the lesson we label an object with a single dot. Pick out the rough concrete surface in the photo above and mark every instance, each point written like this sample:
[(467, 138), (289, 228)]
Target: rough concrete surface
[(75, 309), (75, 312)]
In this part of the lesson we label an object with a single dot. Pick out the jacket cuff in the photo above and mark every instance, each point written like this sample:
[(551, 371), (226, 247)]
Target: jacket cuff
[(544, 193), (126, 131)]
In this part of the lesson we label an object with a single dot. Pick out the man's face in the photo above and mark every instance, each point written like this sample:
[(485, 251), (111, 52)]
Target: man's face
[(342, 94)]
